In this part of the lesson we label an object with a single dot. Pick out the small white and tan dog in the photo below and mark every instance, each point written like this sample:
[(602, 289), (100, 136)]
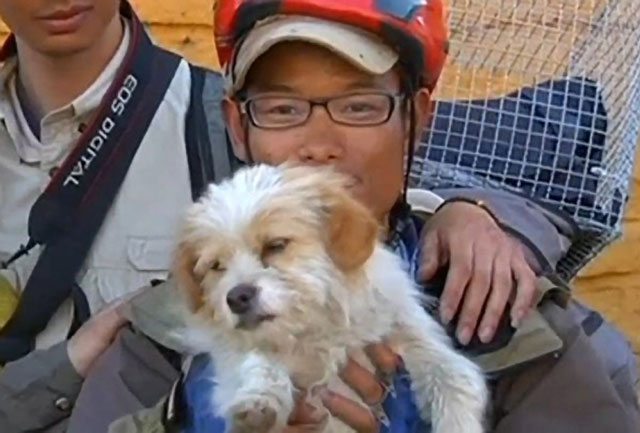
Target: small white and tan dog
[(286, 277)]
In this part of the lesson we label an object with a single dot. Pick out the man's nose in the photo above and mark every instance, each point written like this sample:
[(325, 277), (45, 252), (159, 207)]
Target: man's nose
[(319, 153), (241, 298), (323, 142)]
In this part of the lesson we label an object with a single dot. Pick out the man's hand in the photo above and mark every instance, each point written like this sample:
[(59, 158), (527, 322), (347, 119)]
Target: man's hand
[(484, 262), (95, 336), (364, 383), (305, 418)]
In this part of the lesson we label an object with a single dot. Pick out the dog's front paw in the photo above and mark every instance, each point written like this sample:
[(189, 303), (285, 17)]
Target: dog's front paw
[(257, 414)]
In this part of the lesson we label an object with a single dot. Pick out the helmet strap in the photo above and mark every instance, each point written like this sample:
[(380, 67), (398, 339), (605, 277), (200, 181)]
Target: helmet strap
[(401, 208), (411, 146), (247, 148), (409, 92)]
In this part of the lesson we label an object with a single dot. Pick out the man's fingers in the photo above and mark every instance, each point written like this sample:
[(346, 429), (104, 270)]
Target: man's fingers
[(525, 290), (500, 292), (383, 358), (363, 382), (117, 318), (304, 414), (476, 293), (459, 274), (430, 257), (351, 413), (109, 320)]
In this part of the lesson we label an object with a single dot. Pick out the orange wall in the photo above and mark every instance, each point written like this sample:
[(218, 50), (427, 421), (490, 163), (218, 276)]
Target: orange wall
[(184, 25)]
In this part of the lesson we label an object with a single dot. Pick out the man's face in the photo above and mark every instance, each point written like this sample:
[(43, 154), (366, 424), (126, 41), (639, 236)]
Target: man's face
[(59, 27), (372, 155)]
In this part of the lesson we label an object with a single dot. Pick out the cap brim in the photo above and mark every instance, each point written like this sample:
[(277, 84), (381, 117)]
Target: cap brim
[(364, 50)]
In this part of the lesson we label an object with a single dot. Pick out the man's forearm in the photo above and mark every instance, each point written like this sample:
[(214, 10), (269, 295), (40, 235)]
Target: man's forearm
[(38, 391)]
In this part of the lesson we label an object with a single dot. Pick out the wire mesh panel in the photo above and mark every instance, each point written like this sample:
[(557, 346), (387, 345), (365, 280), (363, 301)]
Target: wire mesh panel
[(541, 98)]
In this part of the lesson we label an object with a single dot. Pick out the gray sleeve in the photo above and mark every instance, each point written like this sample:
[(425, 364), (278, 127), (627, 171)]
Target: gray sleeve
[(546, 234), (38, 390), (224, 160)]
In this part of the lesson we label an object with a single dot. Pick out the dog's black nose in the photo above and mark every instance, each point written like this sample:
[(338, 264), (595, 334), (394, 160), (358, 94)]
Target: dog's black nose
[(241, 297)]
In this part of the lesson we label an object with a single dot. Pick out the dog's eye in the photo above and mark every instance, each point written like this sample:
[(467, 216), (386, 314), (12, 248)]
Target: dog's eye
[(275, 246), (217, 266)]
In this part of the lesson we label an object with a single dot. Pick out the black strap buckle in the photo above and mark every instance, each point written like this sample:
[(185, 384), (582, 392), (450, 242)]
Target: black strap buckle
[(22, 251)]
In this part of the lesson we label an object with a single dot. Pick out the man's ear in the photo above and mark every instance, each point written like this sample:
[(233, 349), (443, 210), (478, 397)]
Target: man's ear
[(184, 271), (234, 121), (424, 110), (353, 232)]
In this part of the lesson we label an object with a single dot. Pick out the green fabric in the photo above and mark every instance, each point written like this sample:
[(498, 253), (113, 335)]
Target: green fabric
[(8, 300), (534, 338), (144, 421)]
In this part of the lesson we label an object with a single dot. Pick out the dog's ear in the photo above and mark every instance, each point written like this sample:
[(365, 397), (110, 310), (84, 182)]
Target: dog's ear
[(186, 279), (352, 231)]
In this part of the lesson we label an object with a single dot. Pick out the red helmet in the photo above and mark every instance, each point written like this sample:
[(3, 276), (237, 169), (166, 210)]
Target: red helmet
[(415, 29)]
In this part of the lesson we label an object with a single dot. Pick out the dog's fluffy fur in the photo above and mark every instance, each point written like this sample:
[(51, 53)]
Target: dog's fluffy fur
[(326, 288)]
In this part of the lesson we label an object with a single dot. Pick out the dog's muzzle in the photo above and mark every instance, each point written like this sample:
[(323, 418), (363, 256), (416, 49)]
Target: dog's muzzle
[(243, 301)]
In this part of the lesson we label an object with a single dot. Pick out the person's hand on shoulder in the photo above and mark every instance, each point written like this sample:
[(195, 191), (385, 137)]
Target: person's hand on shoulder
[(487, 269)]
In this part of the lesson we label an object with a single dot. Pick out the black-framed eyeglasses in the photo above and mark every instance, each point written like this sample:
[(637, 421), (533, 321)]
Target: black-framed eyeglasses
[(281, 112)]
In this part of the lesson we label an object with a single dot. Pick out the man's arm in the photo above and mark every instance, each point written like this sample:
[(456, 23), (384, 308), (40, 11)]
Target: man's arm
[(38, 391)]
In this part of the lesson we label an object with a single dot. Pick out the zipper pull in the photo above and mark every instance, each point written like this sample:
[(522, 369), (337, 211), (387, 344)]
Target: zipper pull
[(22, 251)]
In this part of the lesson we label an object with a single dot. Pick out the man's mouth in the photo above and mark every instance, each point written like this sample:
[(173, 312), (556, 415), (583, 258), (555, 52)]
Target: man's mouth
[(66, 20)]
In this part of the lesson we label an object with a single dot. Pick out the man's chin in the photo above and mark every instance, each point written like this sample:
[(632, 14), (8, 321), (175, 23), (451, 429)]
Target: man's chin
[(63, 45)]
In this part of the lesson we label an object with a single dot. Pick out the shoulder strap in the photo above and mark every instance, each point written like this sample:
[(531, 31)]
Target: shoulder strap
[(68, 215), (209, 150), (199, 154)]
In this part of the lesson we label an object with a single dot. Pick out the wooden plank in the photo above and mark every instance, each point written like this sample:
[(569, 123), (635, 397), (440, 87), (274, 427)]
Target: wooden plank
[(175, 12)]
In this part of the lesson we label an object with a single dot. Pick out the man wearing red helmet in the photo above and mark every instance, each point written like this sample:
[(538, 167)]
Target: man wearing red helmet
[(394, 72)]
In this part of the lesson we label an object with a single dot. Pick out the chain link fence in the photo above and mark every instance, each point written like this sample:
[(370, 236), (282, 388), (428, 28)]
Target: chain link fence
[(541, 98)]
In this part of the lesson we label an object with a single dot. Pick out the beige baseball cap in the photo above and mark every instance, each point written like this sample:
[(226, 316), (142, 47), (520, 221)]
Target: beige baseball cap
[(363, 49)]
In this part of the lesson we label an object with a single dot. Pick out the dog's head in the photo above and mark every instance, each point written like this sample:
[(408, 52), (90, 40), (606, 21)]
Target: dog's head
[(272, 249)]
